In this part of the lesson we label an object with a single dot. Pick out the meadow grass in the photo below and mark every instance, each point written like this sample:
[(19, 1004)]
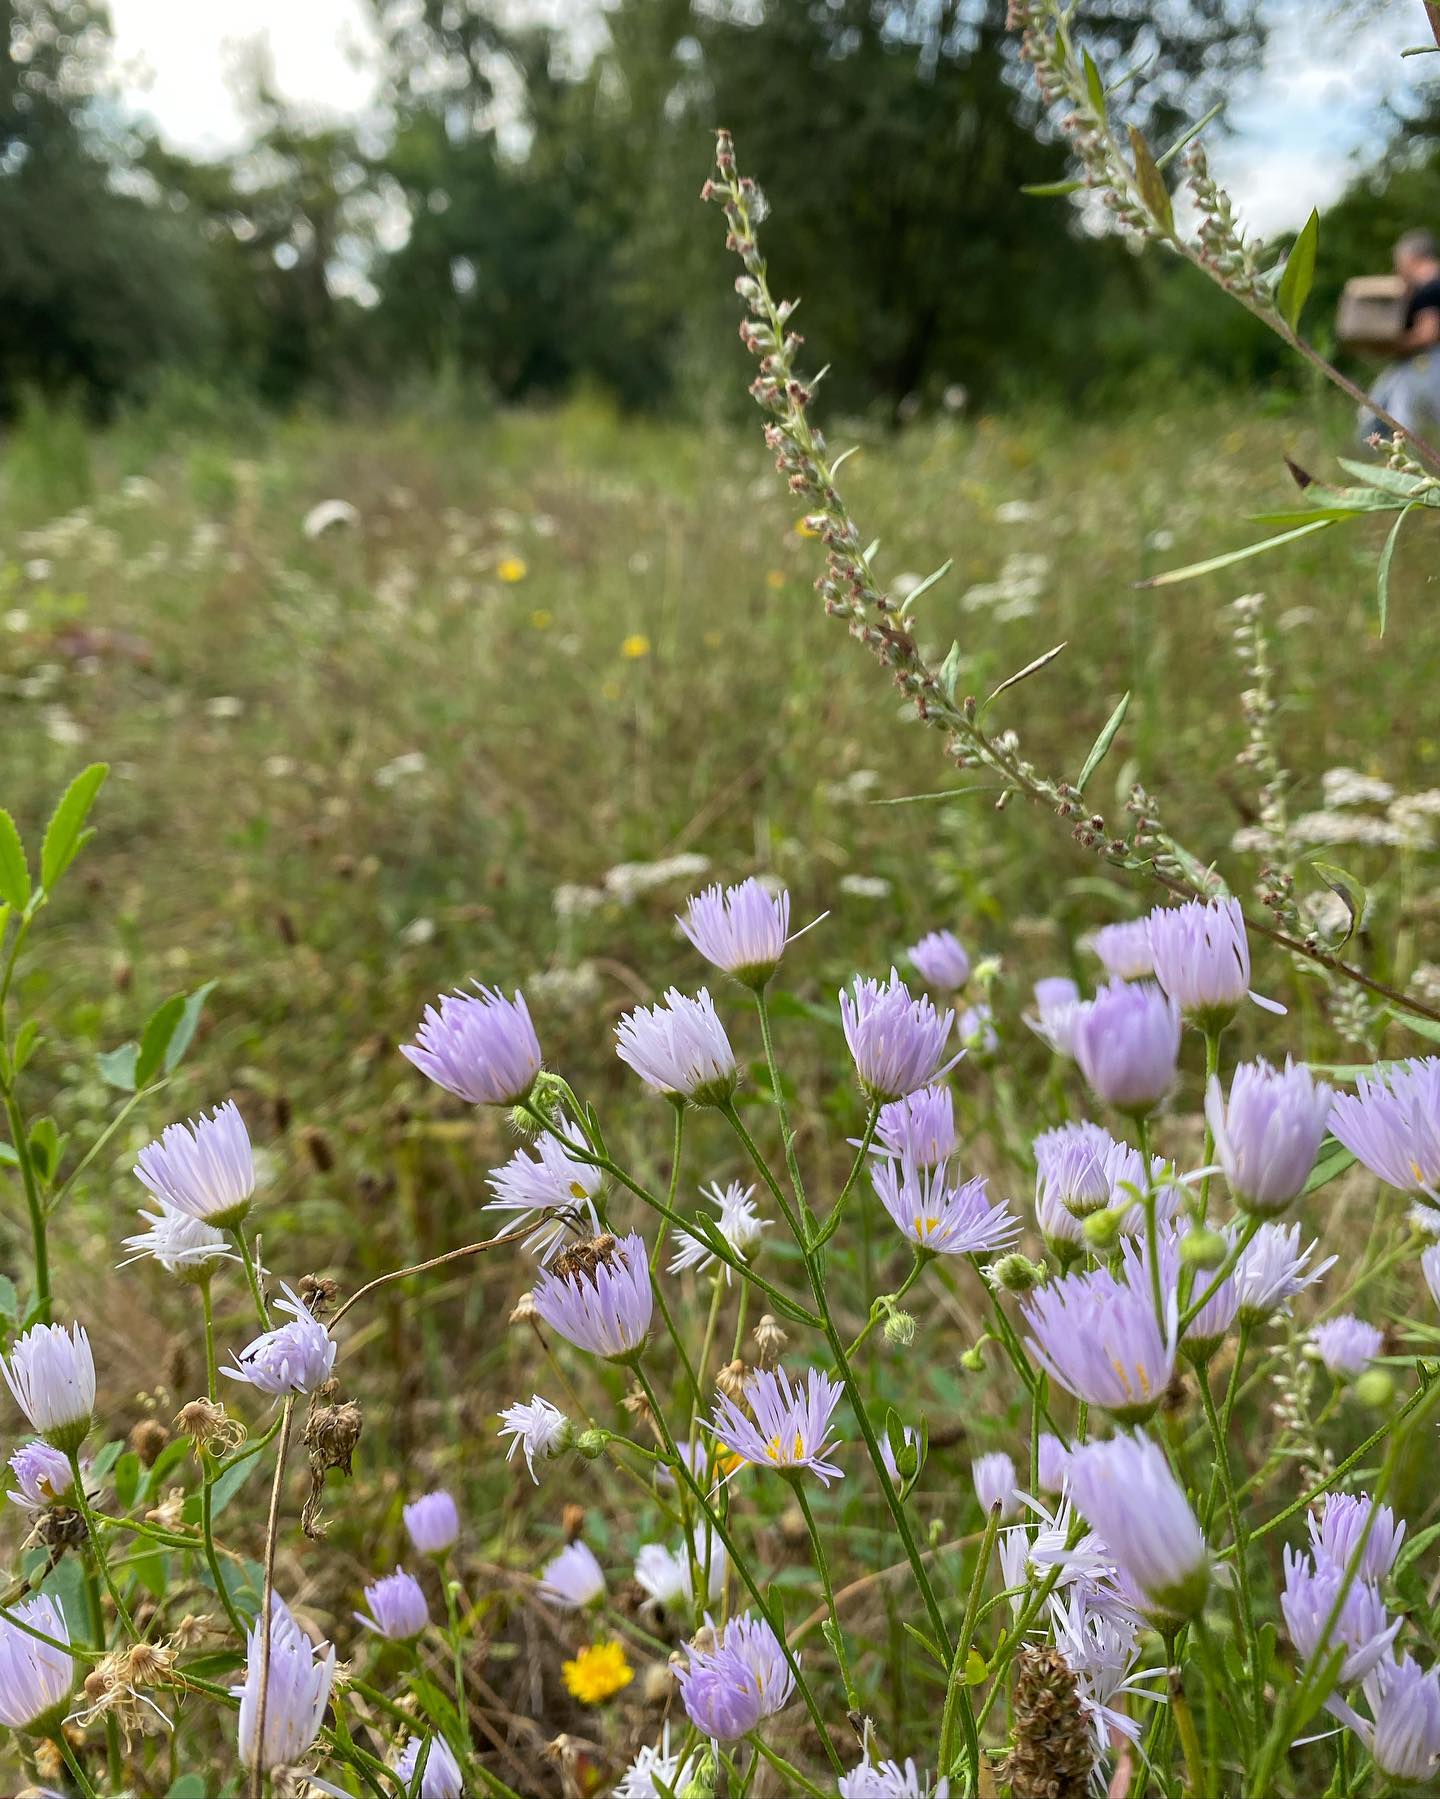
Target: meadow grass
[(354, 770)]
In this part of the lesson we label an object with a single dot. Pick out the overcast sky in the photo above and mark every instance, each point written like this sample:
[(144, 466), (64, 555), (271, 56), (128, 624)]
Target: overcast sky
[(1316, 104)]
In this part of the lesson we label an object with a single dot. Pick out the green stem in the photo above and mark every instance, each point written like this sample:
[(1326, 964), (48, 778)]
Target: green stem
[(212, 1382), (822, 1567), (97, 1547), (82, 1780), (453, 1617), (34, 1205), (877, 1313), (956, 1682), (212, 1559), (238, 1233), (1237, 1530), (1207, 1156), (798, 1782), (787, 1134)]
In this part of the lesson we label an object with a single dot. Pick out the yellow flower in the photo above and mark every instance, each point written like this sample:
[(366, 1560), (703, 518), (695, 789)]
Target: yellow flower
[(803, 528), (775, 578), (511, 569), (637, 644), (541, 619), (597, 1673)]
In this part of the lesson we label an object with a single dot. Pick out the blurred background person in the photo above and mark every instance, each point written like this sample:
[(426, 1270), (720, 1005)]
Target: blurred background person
[(1409, 390)]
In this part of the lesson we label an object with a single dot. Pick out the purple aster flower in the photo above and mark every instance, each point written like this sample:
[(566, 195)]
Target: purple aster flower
[(939, 1215), (939, 958), (51, 1372), (1099, 1338), (397, 1607), (1392, 1124), (739, 1224), (35, 1678), (1124, 949), (1057, 1005), (42, 1474), (1271, 1271), (994, 1478), (1346, 1345), (1267, 1136), (298, 1690), (295, 1358), (1127, 1043), (759, 1651), (919, 1129), (1201, 957), (573, 1579), (742, 930), (441, 1779), (604, 1302), (540, 1428), (186, 1247), (975, 1027), (1071, 1164), (479, 1046), (1430, 1268), (655, 1768), (1125, 1489), (719, 1694), (1362, 1628), (1063, 1232), (1125, 1169), (897, 1041), (665, 1573), (433, 1523), (1404, 1737), (787, 1426), (1335, 1533), (889, 1780), (205, 1168), (680, 1049), (547, 1193), (1054, 1463)]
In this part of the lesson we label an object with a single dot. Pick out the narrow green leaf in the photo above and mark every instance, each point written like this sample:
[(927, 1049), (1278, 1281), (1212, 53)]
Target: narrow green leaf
[(1151, 183), (1094, 86), (950, 672), (1047, 190), (1030, 668), (14, 871), (1299, 273), (1169, 155), (66, 835), (926, 1643), (1348, 888), (1212, 563), (27, 1039), (925, 585), (155, 1038), (1101, 746), (117, 1066), (1423, 1027), (9, 1300), (44, 1144), (1309, 515), (1388, 480), (1382, 571)]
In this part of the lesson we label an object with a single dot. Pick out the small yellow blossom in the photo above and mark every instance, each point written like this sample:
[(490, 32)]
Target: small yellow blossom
[(775, 578), (597, 1673), (541, 619), (636, 645), (803, 528), (511, 569)]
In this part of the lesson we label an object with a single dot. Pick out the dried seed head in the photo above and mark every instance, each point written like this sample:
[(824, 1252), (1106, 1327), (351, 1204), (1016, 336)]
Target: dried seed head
[(1053, 1750), (332, 1430), (209, 1426), (192, 1630), (170, 1513), (524, 1312), (319, 1293), (770, 1341), (147, 1438), (733, 1379)]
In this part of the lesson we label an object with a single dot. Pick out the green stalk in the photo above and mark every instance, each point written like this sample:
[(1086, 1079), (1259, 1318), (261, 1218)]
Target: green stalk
[(238, 1233), (798, 1782), (956, 1682), (787, 1134), (97, 1547), (822, 1567), (457, 1650)]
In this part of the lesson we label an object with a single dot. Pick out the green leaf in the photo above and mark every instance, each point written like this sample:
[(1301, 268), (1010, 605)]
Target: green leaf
[(26, 1040), (1333, 1162), (976, 1669), (1169, 155), (9, 1300), (44, 1145), (188, 1786), (1151, 183), (1412, 1021), (117, 1066), (184, 1032), (923, 587), (926, 1643), (1349, 890), (1299, 273), (155, 1038), (950, 672), (1101, 746), (1046, 190), (1094, 86), (1030, 668), (14, 870), (8, 1157), (127, 1480), (1416, 1546), (1212, 563), (1382, 572), (224, 1490), (65, 835), (1388, 480)]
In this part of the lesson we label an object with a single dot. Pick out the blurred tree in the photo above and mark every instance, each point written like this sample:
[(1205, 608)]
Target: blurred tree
[(97, 288)]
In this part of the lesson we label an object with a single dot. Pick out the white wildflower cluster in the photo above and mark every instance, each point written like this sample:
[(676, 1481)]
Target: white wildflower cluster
[(1015, 592)]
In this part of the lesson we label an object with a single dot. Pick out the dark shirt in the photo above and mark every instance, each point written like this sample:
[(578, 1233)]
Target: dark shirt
[(1425, 298)]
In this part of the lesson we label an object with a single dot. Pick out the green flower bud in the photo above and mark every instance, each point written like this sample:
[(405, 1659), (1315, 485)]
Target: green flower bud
[(1375, 1388), (899, 1329), (1102, 1228), (1202, 1248), (591, 1444), (1016, 1274)]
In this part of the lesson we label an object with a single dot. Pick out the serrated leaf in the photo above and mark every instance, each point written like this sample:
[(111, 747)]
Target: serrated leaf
[(1029, 669), (14, 870), (65, 835), (1299, 273), (1094, 86), (1344, 884), (117, 1066), (1212, 563), (1101, 746), (1382, 571), (155, 1038), (1047, 190), (1151, 183)]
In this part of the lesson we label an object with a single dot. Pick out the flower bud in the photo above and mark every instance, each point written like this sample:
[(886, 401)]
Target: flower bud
[(973, 1360), (1203, 1249), (1375, 1388), (899, 1329), (591, 1444), (1102, 1229), (1015, 1274)]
